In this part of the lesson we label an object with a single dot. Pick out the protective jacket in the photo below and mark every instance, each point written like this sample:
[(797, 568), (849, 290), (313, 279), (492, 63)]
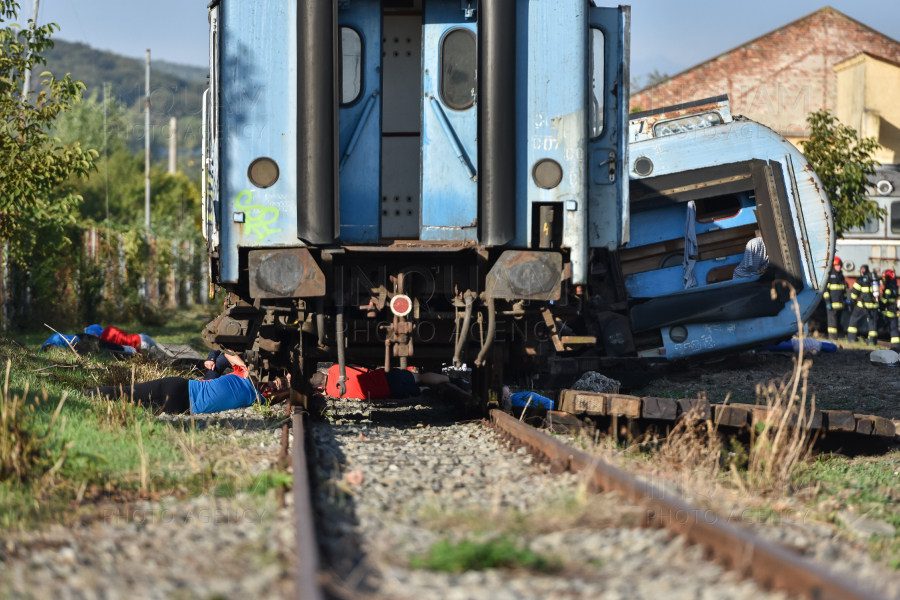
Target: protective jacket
[(865, 292), (834, 293)]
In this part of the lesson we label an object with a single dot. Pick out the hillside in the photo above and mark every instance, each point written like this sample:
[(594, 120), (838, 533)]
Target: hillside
[(176, 90), (126, 77)]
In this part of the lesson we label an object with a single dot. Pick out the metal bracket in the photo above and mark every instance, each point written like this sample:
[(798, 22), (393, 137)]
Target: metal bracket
[(468, 7)]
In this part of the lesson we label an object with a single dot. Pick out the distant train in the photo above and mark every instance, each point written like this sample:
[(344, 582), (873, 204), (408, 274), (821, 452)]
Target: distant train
[(442, 181), (876, 243)]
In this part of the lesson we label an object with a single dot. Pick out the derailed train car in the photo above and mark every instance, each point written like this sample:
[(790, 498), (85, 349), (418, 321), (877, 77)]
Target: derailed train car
[(433, 181)]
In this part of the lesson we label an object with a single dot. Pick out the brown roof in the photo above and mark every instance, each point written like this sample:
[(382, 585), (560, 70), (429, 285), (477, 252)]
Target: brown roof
[(824, 9)]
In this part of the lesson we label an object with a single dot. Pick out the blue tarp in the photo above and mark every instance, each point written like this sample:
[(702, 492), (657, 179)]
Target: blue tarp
[(537, 401), (58, 339)]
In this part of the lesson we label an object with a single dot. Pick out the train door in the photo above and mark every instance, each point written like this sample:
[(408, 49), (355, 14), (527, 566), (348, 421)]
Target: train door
[(449, 122), (401, 55), (609, 36), (359, 39)]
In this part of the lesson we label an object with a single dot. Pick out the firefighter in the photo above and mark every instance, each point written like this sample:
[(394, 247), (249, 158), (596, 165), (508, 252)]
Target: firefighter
[(889, 303), (864, 297), (834, 298)]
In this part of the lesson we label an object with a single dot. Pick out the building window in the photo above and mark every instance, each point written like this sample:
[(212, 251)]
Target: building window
[(351, 66), (870, 227), (895, 217), (459, 57), (597, 88)]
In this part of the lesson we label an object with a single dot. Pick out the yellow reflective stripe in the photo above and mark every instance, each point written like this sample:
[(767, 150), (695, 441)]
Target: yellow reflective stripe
[(827, 295), (873, 334), (837, 286), (856, 286), (837, 305), (832, 330), (852, 330)]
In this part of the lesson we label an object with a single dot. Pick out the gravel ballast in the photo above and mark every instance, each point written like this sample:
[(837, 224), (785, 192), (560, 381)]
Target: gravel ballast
[(395, 480)]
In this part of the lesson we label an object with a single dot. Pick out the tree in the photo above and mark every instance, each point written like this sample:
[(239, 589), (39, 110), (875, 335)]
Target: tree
[(35, 167), (843, 161)]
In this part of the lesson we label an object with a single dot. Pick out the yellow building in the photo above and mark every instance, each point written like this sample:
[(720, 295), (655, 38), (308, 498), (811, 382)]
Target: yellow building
[(868, 99)]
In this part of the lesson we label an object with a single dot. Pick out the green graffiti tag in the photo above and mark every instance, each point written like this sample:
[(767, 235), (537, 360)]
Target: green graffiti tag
[(258, 217)]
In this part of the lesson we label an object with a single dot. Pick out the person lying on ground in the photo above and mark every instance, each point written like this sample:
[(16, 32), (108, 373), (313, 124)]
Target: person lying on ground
[(139, 341), (86, 343), (377, 384), (177, 395)]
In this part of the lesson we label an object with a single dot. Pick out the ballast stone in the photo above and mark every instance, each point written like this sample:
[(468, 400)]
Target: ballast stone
[(593, 381)]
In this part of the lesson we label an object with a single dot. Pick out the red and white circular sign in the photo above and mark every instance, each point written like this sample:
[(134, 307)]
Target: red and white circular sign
[(401, 305)]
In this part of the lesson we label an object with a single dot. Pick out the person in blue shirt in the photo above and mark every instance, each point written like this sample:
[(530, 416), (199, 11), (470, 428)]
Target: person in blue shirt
[(175, 395)]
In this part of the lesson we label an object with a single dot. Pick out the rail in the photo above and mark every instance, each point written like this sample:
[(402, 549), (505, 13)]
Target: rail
[(306, 568), (772, 566)]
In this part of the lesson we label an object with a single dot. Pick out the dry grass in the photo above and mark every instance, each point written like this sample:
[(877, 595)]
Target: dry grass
[(27, 454)]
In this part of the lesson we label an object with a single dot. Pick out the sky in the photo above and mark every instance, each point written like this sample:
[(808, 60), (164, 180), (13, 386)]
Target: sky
[(667, 36)]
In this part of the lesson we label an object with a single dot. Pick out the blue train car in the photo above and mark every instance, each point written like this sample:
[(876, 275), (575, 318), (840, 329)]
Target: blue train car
[(436, 181)]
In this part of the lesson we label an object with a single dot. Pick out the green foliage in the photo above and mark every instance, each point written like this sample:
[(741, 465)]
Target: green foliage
[(476, 556), (36, 167), (843, 161), (177, 91), (84, 124), (174, 201)]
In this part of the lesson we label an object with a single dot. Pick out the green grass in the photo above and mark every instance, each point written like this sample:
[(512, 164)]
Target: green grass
[(868, 486), (113, 447), (183, 327), (476, 556)]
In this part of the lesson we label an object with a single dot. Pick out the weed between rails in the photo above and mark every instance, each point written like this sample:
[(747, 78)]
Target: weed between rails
[(469, 555)]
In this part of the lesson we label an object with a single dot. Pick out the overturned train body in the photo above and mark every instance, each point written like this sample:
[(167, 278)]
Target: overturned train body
[(433, 181)]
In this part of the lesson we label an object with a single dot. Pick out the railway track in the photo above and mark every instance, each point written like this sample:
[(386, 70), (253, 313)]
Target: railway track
[(703, 535)]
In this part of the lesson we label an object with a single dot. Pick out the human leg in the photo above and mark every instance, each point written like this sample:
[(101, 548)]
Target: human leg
[(169, 394), (872, 318), (856, 317), (430, 378), (895, 333), (834, 320)]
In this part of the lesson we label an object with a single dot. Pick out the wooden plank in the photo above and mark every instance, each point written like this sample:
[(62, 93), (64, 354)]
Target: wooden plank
[(562, 422), (759, 414), (567, 401), (865, 425), (729, 415), (884, 427), (695, 408), (578, 403), (659, 408), (621, 405), (839, 420)]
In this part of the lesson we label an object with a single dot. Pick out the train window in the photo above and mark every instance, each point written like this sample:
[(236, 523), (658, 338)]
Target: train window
[(351, 66), (458, 63), (870, 227), (597, 72), (717, 208), (895, 217)]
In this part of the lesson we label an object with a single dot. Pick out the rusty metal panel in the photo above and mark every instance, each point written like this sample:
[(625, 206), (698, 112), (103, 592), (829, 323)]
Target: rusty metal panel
[(526, 275), (291, 273)]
